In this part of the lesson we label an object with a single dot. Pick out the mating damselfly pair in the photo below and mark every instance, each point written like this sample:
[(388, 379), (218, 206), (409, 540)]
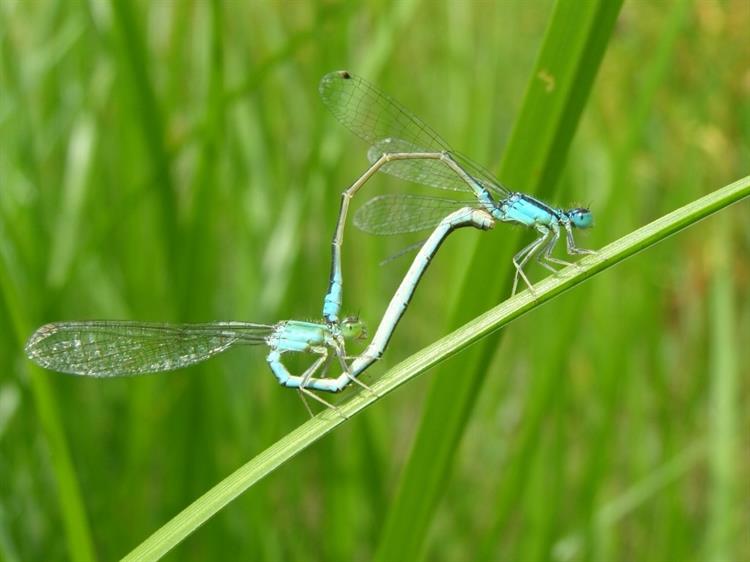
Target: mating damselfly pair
[(400, 144)]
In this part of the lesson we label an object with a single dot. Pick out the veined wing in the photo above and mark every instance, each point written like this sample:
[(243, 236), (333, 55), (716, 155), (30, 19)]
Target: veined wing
[(374, 116), (433, 172), (402, 213), (119, 348)]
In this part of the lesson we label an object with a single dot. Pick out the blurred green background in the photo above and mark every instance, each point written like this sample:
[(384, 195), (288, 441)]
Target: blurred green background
[(172, 161)]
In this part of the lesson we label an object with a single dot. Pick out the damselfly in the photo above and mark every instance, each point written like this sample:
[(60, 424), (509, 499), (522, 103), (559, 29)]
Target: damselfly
[(404, 146), (112, 348)]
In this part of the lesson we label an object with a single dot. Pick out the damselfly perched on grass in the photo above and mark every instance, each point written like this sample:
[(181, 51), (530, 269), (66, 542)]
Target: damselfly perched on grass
[(402, 145)]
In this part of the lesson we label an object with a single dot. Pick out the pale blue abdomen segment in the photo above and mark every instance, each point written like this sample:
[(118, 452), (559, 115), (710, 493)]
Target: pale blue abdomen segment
[(333, 299), (461, 218)]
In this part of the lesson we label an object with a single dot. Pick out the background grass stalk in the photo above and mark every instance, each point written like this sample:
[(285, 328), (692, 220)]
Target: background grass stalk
[(557, 90)]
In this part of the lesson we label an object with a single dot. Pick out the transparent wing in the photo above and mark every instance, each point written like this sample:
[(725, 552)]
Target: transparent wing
[(120, 348), (374, 116), (431, 172), (399, 214)]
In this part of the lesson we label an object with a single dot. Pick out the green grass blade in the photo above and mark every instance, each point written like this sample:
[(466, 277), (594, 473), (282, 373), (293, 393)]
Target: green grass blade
[(573, 47), (197, 513), (73, 512), (723, 417), (134, 52), (616, 509)]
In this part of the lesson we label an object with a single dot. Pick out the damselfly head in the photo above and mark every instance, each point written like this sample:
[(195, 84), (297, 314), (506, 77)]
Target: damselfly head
[(352, 328), (580, 217)]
